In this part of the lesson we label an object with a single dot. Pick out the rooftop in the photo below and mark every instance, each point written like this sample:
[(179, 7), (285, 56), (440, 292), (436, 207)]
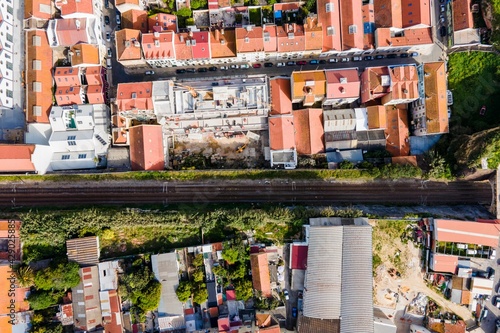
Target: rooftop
[(249, 39), (436, 107), (467, 232), (351, 19), (86, 302), (223, 43), (67, 77), (69, 7), (135, 19), (134, 96), (41, 9), (388, 13), (397, 132), (162, 21), (291, 38), (158, 45), (84, 54), (16, 158), (128, 46), (375, 83), (84, 251), (309, 132), (146, 147), (416, 12), (342, 83), (260, 273), (329, 18), (280, 96), (281, 132), (308, 83), (71, 31), (313, 33), (462, 15)]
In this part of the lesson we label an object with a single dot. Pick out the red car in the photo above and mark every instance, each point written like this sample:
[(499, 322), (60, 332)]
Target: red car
[(256, 65), (301, 62)]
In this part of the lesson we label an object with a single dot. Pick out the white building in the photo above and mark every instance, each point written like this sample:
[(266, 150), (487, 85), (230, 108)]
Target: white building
[(7, 55), (68, 32)]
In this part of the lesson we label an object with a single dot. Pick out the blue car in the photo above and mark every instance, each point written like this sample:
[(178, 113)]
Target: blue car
[(294, 312), (313, 62)]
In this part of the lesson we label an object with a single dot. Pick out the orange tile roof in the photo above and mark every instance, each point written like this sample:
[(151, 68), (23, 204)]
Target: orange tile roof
[(38, 101), (290, 6), (95, 94), (158, 45), (94, 75), (126, 40), (376, 117), (314, 34), (71, 31), (291, 38), (309, 131), (113, 324), (67, 77), (397, 132), (462, 15), (368, 12), (135, 19), (368, 17), (162, 21), (86, 54), (330, 21), (182, 50), (270, 38), (416, 12), (281, 132), (249, 40), (303, 81), (16, 158), (123, 2), (280, 96), (41, 9), (436, 107), (418, 36), (467, 232), (351, 19), (260, 273), (223, 45), (146, 147), (404, 84), (375, 83), (136, 95), (444, 263), (66, 95), (68, 7), (388, 13), (20, 304), (6, 227), (342, 83)]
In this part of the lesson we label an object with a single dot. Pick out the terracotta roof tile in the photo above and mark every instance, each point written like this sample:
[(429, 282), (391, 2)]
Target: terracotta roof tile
[(201, 49), (69, 7), (397, 132), (162, 21), (134, 96), (94, 75), (376, 117), (418, 36), (291, 6), (158, 45), (404, 84), (135, 19), (16, 158), (71, 31), (249, 40), (436, 106), (342, 83), (467, 232), (462, 15), (38, 105), (223, 45), (126, 48), (67, 95), (41, 9), (84, 54), (182, 50), (330, 21), (280, 96), (314, 34), (388, 13), (444, 263), (351, 19), (95, 94), (303, 81), (146, 147), (67, 77), (270, 38), (260, 273), (281, 132), (291, 38), (416, 12), (375, 83), (123, 2), (309, 132)]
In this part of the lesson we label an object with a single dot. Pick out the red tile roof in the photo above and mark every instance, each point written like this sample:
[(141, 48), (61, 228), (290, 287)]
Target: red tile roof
[(260, 273), (38, 101), (309, 131), (95, 94), (16, 158), (223, 324), (67, 77), (281, 132), (444, 263), (83, 54), (462, 15), (135, 19), (158, 45), (68, 7), (223, 43), (375, 83), (342, 83), (114, 324), (388, 13), (436, 105), (162, 21), (416, 12), (420, 36), (368, 17), (291, 6), (135, 95), (183, 51), (291, 38), (66, 95), (351, 19), (94, 75), (71, 31), (377, 117), (201, 49), (485, 234), (397, 132), (41, 9), (249, 39), (404, 84), (128, 44), (146, 147), (330, 21), (314, 34), (298, 256), (280, 96), (270, 38)]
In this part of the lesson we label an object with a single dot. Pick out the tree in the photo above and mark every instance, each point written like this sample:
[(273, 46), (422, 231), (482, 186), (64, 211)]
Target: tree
[(200, 293), (25, 276), (150, 297), (244, 289), (238, 271), (220, 271), (184, 291), (198, 260), (198, 276), (196, 4), (184, 12), (42, 299), (62, 276), (230, 255), (271, 2), (190, 21)]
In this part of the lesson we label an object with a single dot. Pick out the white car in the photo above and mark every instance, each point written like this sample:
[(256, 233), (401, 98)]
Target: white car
[(108, 37), (285, 292), (223, 68), (281, 64), (118, 21), (235, 66), (245, 66), (150, 73)]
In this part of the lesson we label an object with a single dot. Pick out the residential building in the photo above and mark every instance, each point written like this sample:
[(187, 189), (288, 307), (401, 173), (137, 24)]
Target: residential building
[(146, 147), (414, 39), (388, 14), (340, 252), (291, 41), (170, 311), (192, 48), (111, 311), (38, 76), (108, 275), (298, 265), (16, 158), (308, 124), (128, 47), (313, 31), (375, 83), (82, 55), (85, 252), (416, 13), (329, 18), (223, 46), (77, 8), (351, 20), (134, 97), (69, 86), (161, 21), (397, 131), (135, 19), (342, 86), (260, 273), (368, 26), (158, 48), (38, 9), (250, 43), (429, 114), (86, 301), (463, 24), (377, 118), (339, 129), (270, 42), (126, 5), (404, 85), (68, 32), (266, 323), (308, 87)]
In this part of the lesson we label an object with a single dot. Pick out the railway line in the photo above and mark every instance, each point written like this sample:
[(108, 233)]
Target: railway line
[(413, 192)]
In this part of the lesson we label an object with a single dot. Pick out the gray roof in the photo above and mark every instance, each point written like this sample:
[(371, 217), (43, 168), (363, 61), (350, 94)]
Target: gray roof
[(315, 325), (86, 302), (84, 251), (166, 271), (338, 282), (353, 155), (372, 139)]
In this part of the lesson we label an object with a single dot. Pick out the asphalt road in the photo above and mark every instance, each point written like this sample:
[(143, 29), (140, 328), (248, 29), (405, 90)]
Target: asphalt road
[(414, 192)]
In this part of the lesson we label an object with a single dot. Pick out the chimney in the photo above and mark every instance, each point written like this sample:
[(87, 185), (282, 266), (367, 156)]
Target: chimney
[(217, 34), (181, 37)]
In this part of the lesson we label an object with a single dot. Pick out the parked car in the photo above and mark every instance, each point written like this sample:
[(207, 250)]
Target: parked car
[(414, 54), (322, 61), (379, 56), (301, 63), (268, 64), (235, 66), (333, 60), (118, 21), (106, 3), (442, 31), (404, 55), (110, 52), (357, 58), (391, 56), (313, 62), (280, 64), (345, 59), (108, 37), (202, 70), (150, 73), (442, 19), (223, 68), (106, 20), (290, 63), (368, 58), (180, 71), (442, 8), (285, 293), (256, 65), (294, 312), (190, 70), (245, 66), (212, 69)]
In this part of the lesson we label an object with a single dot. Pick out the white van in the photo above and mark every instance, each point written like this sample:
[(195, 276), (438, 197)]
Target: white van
[(108, 63)]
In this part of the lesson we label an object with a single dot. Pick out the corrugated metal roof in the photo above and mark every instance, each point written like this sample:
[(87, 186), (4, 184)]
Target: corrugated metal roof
[(166, 271), (84, 251)]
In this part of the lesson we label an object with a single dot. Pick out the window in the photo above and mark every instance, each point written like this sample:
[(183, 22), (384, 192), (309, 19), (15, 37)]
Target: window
[(37, 110), (10, 10), (410, 4), (10, 38), (71, 143), (36, 65), (9, 65), (410, 13), (65, 157), (329, 7), (36, 41), (330, 31), (10, 93), (37, 86), (82, 156), (71, 137), (247, 40), (353, 29)]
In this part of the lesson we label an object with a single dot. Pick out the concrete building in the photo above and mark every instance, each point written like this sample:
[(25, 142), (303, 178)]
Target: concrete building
[(342, 86), (86, 301), (68, 32)]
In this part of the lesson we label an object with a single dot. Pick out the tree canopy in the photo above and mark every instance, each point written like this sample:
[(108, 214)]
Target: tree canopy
[(197, 4), (43, 299), (60, 276), (184, 291)]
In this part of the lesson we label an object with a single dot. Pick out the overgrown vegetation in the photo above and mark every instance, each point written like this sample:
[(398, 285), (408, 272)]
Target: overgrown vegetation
[(41, 322), (196, 286), (392, 232)]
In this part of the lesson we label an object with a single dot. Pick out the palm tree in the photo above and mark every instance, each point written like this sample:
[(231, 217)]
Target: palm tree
[(25, 276)]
